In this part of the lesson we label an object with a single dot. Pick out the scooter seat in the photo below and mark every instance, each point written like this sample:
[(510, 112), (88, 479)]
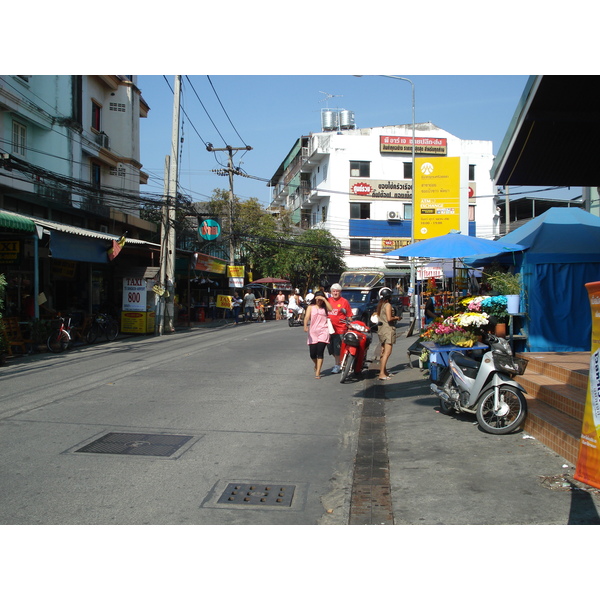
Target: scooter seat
[(464, 361)]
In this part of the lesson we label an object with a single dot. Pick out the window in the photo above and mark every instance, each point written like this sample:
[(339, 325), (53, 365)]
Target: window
[(471, 172), (471, 212), (323, 214), (19, 138), (360, 210), (96, 114), (96, 175), (360, 246), (407, 170), (407, 212), (360, 168)]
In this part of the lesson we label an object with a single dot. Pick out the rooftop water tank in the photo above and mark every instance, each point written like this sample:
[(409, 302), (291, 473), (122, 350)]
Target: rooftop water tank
[(347, 119), (329, 120)]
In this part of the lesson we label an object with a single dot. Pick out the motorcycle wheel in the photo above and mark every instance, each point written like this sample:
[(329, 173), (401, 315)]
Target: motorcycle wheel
[(446, 408), (291, 321), (348, 364), (510, 416)]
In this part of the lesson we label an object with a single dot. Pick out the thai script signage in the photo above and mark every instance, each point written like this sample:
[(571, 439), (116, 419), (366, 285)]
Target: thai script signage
[(389, 244), (401, 144), (211, 264), (380, 189), (437, 197), (588, 461)]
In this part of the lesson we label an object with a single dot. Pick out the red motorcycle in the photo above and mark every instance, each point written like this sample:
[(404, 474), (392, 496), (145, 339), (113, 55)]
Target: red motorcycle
[(354, 348)]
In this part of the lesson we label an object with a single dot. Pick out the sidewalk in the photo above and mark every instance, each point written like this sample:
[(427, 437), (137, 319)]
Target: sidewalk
[(445, 470)]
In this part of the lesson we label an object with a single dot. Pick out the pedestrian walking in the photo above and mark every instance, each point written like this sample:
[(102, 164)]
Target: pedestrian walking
[(279, 305), (236, 302), (249, 300), (340, 309), (315, 324)]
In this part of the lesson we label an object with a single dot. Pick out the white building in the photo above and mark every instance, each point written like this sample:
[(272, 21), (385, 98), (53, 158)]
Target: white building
[(357, 183)]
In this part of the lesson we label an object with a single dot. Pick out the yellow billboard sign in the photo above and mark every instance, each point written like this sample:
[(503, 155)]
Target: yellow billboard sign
[(224, 301), (437, 196), (235, 271), (588, 460)]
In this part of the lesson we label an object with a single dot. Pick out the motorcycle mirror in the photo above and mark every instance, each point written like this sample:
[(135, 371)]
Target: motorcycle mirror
[(343, 310)]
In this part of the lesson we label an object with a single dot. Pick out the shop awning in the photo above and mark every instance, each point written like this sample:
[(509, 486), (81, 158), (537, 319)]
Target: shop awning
[(15, 221), (553, 136)]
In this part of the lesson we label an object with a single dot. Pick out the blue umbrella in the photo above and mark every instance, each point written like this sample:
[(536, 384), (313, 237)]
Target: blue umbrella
[(455, 245)]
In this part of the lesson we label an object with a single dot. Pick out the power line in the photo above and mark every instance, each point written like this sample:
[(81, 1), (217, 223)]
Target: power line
[(217, 95), (206, 111)]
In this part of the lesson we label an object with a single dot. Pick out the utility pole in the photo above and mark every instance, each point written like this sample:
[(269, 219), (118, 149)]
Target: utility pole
[(167, 254), (231, 172)]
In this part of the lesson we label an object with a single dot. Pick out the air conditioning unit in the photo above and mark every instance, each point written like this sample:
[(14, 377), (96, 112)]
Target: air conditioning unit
[(393, 215), (103, 140)]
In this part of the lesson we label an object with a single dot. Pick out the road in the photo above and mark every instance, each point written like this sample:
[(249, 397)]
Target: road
[(244, 398), (188, 417)]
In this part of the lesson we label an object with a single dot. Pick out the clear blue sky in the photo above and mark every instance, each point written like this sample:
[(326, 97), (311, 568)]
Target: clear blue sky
[(269, 113)]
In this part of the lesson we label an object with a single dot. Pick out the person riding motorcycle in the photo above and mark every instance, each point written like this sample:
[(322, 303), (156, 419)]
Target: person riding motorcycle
[(295, 305)]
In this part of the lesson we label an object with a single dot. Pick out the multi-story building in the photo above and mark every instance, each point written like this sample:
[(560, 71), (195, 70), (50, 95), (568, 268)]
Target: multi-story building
[(70, 165), (357, 183)]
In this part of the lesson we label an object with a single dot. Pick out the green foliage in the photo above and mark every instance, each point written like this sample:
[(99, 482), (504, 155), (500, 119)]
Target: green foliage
[(505, 283), (267, 246)]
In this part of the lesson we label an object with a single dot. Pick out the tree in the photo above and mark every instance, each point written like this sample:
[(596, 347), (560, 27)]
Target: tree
[(309, 256)]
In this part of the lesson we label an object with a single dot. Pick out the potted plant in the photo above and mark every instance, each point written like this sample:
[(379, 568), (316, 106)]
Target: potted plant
[(495, 307), (509, 285)]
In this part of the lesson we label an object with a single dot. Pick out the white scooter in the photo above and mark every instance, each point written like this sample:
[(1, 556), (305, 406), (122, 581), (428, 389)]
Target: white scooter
[(485, 387), (295, 316)]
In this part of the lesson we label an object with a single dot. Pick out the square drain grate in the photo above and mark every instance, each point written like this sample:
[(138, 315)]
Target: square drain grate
[(249, 494), (137, 444)]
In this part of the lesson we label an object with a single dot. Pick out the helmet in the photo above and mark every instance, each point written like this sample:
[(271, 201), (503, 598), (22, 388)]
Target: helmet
[(385, 293)]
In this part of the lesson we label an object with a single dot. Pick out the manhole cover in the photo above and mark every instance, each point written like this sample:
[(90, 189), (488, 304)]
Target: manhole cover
[(248, 494), (137, 444)]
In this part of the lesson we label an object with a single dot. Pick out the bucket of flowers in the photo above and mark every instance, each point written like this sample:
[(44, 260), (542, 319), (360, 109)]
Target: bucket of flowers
[(472, 322), (448, 332)]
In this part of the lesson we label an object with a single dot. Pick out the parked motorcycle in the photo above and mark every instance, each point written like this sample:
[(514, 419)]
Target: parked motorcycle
[(354, 348), (295, 316), (484, 387)]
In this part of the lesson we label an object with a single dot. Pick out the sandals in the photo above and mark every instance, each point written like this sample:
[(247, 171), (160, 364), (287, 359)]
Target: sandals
[(383, 378)]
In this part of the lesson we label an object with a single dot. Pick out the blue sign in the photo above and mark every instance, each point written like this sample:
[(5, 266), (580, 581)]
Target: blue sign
[(209, 230)]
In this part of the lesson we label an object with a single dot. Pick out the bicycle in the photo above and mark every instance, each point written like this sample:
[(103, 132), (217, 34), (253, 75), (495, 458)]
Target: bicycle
[(103, 324), (60, 339)]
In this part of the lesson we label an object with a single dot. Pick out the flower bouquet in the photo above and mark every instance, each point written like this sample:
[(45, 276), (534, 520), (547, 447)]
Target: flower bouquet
[(448, 332), (495, 306), (473, 322), (472, 303)]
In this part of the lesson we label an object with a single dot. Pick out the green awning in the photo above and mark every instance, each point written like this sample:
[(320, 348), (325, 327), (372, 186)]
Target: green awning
[(15, 221)]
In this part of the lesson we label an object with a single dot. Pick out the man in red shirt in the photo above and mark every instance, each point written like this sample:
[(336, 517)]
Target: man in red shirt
[(336, 315)]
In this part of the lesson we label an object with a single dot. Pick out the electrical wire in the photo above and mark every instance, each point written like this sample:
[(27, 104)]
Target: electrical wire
[(219, 99), (206, 111)]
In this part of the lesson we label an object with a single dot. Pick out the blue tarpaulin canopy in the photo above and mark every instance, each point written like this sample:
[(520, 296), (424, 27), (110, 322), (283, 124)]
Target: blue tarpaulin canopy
[(563, 255)]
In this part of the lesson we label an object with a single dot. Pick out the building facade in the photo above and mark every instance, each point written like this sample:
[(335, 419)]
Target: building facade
[(70, 165), (357, 183)]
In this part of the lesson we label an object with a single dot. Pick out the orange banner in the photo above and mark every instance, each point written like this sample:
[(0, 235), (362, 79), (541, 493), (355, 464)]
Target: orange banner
[(588, 461)]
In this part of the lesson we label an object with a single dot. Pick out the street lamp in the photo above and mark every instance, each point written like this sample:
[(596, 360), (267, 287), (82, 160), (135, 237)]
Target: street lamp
[(412, 225)]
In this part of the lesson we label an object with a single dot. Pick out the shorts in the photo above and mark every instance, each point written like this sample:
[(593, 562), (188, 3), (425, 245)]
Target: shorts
[(317, 350), (387, 335), (335, 344)]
